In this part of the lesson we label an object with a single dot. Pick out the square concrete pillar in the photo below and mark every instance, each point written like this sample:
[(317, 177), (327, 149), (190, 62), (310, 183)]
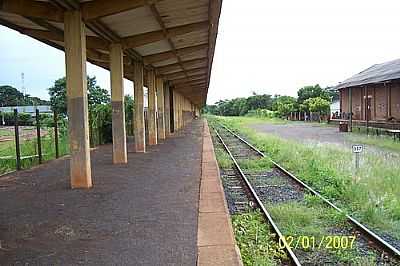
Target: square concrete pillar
[(160, 108), (176, 118), (138, 125), (151, 110), (167, 109), (117, 102), (78, 123)]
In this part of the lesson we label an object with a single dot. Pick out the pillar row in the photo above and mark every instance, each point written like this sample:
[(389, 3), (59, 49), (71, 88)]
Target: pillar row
[(117, 102), (160, 109), (152, 107), (167, 109), (139, 126), (78, 122)]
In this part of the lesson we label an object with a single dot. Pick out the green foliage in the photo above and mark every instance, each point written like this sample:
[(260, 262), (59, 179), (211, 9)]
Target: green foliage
[(255, 240), (100, 123), (223, 159), (240, 106), (10, 96), (58, 95), (317, 104), (283, 105), (256, 164), (312, 92), (262, 113), (23, 119)]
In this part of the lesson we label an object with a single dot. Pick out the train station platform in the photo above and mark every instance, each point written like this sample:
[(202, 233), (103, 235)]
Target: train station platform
[(143, 213)]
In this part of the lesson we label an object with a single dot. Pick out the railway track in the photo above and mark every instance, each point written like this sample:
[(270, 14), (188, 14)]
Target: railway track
[(276, 186)]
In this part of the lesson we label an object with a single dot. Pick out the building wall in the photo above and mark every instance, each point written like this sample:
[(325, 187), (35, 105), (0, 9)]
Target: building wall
[(344, 100), (380, 102), (380, 96), (357, 102), (395, 100)]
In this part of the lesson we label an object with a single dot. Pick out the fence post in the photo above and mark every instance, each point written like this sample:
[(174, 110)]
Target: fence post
[(55, 117), (16, 131), (39, 140)]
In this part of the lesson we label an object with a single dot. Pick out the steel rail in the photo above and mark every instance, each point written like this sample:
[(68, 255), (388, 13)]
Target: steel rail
[(266, 214), (368, 232)]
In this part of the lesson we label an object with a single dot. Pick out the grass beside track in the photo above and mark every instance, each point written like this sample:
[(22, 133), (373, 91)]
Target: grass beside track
[(371, 194), (257, 245)]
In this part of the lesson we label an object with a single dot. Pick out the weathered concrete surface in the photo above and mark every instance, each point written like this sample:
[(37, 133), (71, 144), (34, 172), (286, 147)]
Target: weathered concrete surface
[(216, 241), (117, 97), (142, 213), (151, 110), (75, 62), (139, 123)]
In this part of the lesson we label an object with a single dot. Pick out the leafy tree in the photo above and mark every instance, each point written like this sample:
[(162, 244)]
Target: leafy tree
[(10, 96), (285, 104), (58, 94), (312, 92), (256, 101), (317, 104)]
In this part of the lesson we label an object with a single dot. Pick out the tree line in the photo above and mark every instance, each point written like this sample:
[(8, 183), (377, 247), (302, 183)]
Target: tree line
[(309, 99), (10, 96)]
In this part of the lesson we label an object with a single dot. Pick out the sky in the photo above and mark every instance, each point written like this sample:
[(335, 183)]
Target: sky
[(273, 47)]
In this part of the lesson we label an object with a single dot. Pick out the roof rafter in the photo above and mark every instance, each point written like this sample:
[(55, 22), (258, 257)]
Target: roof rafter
[(154, 36), (149, 59), (100, 8), (189, 73), (187, 64), (34, 9)]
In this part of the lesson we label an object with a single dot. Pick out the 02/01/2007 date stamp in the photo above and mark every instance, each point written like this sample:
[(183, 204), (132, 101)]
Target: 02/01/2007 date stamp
[(312, 242)]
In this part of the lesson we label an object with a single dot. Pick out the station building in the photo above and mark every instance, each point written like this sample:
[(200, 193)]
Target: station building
[(372, 96)]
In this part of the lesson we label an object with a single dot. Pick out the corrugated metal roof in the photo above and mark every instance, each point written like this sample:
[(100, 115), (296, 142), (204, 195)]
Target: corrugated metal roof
[(374, 74)]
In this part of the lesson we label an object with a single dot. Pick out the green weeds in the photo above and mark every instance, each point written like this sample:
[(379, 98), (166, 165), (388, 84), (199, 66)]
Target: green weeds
[(257, 245)]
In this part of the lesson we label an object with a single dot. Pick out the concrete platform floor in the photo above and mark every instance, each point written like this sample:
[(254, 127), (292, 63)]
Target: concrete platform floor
[(142, 213)]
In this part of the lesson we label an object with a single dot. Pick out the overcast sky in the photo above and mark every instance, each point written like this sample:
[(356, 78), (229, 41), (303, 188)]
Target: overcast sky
[(272, 47)]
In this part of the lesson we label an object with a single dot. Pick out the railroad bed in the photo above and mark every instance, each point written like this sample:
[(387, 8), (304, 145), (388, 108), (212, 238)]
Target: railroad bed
[(273, 187)]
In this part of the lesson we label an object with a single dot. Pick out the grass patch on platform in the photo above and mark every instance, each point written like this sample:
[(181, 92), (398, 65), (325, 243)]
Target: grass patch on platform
[(256, 243), (371, 194)]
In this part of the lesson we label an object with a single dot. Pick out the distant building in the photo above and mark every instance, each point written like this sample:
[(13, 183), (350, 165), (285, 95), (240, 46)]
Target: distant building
[(27, 109), (373, 94)]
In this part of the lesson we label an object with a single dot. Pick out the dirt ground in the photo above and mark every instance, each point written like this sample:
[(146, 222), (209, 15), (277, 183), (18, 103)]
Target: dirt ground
[(304, 132), (314, 133)]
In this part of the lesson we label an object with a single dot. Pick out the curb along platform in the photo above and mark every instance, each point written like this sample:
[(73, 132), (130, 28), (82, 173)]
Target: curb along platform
[(216, 242)]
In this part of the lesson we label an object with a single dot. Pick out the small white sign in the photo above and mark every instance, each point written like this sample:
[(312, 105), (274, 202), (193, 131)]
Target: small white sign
[(357, 148)]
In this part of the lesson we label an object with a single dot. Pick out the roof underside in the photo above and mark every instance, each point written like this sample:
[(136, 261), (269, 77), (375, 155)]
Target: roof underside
[(174, 37), (375, 74)]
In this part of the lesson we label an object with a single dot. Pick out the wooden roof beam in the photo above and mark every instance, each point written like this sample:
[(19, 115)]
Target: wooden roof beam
[(186, 80), (101, 8), (176, 66), (149, 59), (91, 41), (155, 36), (34, 9), (190, 72)]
